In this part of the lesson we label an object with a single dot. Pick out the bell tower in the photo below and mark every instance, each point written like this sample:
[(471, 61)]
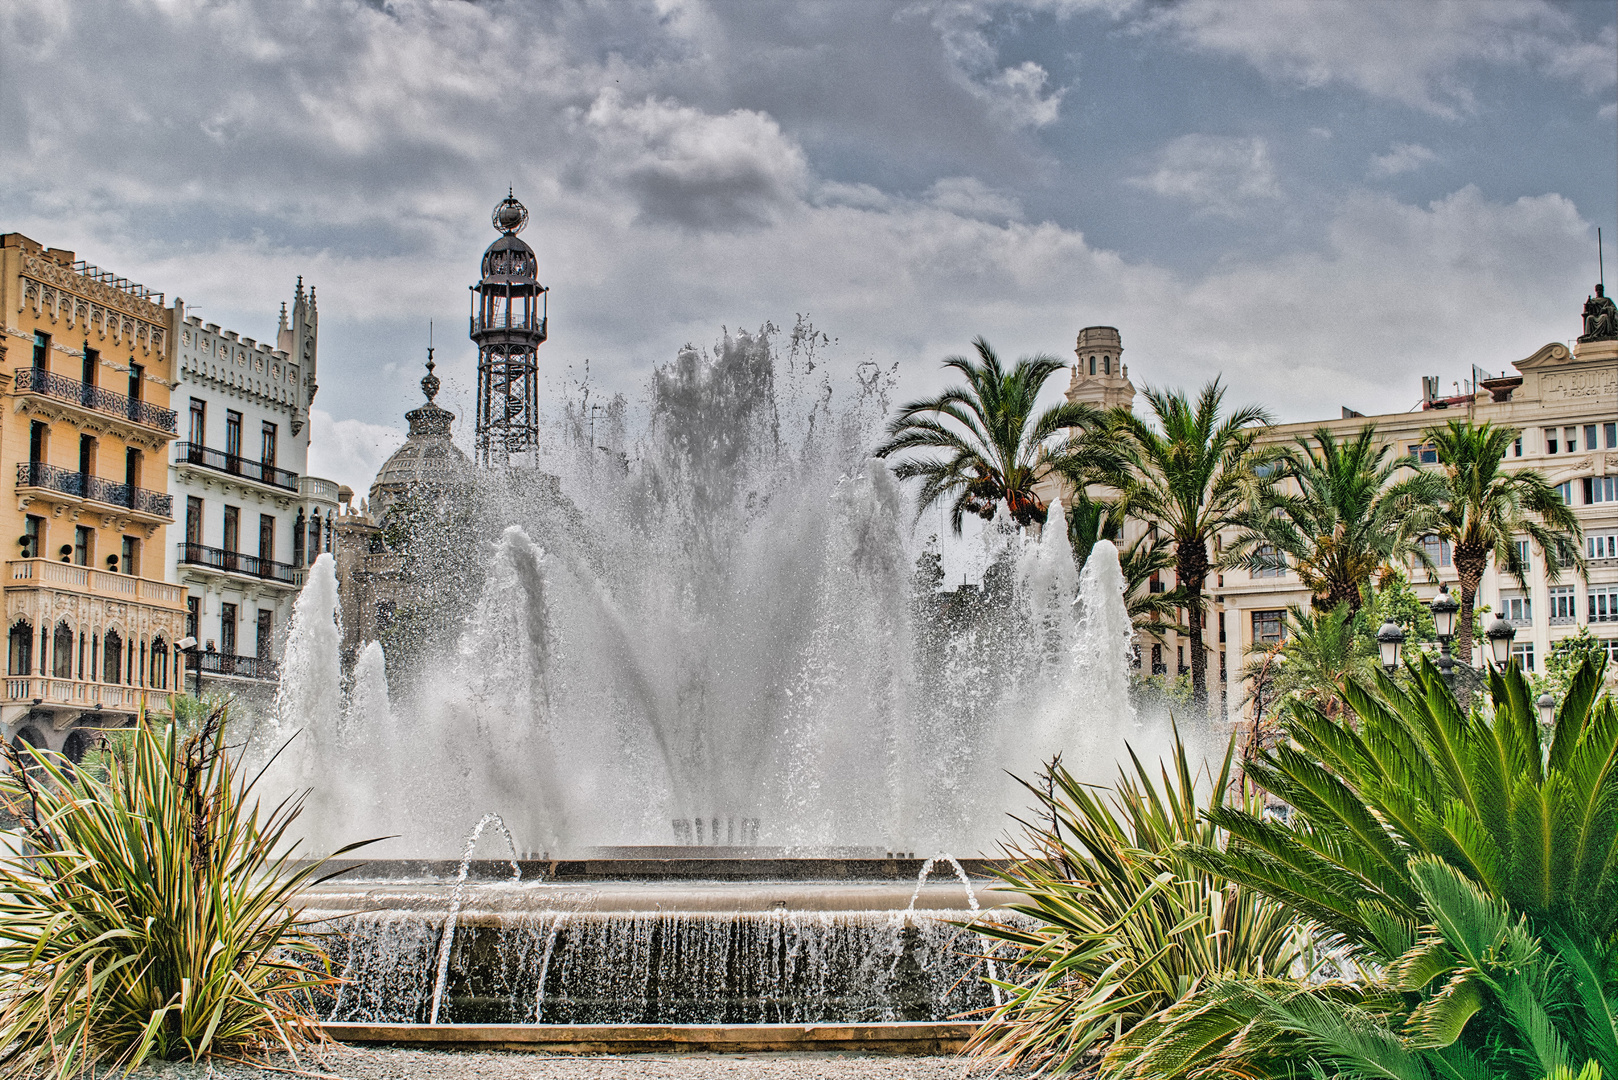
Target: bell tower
[(508, 324), (1100, 377)]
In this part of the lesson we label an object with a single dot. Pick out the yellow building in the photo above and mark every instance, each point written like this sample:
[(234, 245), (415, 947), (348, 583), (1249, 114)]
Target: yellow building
[(86, 367)]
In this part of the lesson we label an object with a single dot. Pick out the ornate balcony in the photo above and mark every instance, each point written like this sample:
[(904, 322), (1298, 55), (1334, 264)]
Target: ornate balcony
[(189, 453), (83, 579), (28, 380), (241, 667), (53, 478), (235, 562)]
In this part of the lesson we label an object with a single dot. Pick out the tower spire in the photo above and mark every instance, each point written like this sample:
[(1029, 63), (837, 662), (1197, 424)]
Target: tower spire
[(508, 324)]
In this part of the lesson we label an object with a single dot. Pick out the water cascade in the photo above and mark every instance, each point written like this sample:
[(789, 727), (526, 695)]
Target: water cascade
[(447, 938)]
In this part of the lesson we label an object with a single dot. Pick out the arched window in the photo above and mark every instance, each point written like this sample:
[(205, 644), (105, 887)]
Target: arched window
[(20, 651), (331, 530), (112, 657), (160, 664), (1092, 365), (62, 651), (1106, 365)]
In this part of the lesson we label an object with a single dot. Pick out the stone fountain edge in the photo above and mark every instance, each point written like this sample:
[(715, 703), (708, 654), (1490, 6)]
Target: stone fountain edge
[(925, 1038)]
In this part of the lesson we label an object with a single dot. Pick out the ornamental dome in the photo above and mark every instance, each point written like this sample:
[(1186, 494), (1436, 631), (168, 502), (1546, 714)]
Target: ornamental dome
[(429, 460)]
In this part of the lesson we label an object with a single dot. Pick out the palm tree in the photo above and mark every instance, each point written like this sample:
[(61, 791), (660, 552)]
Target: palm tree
[(1090, 520), (1192, 475), (1321, 650), (995, 448), (1483, 508), (1347, 520)]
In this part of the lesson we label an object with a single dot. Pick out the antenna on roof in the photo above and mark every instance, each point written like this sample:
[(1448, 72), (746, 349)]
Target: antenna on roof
[(1601, 262)]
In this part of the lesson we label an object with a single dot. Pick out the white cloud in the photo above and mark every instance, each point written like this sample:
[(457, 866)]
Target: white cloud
[(1401, 158), (970, 197), (1218, 175), (1017, 93), (1419, 54)]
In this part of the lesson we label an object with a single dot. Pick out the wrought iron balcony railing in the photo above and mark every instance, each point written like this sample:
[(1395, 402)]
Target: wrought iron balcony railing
[(235, 562), (196, 454), (29, 380), (86, 486), (243, 667)]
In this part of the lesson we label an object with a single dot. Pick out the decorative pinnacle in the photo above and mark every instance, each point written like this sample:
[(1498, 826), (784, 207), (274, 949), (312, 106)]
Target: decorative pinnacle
[(429, 383), (510, 216)]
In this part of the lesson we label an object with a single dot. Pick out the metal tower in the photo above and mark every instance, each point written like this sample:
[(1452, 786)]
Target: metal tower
[(508, 324)]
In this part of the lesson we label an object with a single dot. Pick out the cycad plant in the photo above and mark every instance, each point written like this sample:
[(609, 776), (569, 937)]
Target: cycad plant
[(1125, 927), (151, 915), (1466, 866)]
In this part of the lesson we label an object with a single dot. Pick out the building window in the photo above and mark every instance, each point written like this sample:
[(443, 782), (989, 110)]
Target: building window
[(92, 361), (233, 433), (1550, 440), (297, 539), (1564, 605), (137, 375), (38, 436), (1523, 653), (20, 648), (1603, 601), (1522, 553), (160, 664), (1269, 627), (62, 651), (1516, 447), (314, 537), (1221, 631), (130, 563), (266, 538), (266, 633), (1564, 491), (268, 457), (33, 529), (1425, 453), (1570, 439), (1604, 546), (1610, 435), (199, 422), (227, 629), (112, 657), (42, 351), (233, 528), (1437, 550), (1158, 667), (1600, 489), (1271, 564), (132, 464), (1517, 608), (1590, 437), (331, 531), (1611, 645), (193, 612), (193, 521), (83, 544), (87, 454), (1092, 365)]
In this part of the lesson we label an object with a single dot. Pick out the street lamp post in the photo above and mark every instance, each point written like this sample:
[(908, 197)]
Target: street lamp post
[(1390, 641), (1500, 634), (1444, 609)]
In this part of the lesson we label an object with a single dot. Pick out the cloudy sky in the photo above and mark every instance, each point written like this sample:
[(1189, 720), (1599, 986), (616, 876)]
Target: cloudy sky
[(1321, 200)]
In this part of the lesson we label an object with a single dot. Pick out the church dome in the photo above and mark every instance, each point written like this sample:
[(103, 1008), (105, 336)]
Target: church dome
[(428, 461)]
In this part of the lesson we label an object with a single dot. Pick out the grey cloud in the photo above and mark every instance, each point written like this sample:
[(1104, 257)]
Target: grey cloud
[(1218, 175)]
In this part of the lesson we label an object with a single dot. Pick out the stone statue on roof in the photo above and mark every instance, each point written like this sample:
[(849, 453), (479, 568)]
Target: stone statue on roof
[(1600, 317)]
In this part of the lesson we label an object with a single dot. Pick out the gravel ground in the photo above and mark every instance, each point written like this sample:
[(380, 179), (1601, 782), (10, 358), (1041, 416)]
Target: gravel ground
[(356, 1063)]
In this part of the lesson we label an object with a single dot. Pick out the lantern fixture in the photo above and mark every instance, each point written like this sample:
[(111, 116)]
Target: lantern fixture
[(1444, 609), (1500, 634), (1547, 708), (1390, 640)]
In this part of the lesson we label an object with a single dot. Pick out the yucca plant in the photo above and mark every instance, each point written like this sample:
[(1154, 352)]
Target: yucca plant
[(150, 912), (1467, 871), (1124, 926)]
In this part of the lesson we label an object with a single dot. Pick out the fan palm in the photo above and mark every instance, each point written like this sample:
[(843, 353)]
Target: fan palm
[(1483, 508), (993, 447), (1347, 520), (1192, 475)]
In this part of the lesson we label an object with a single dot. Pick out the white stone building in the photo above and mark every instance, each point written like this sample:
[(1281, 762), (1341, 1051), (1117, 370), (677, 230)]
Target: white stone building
[(251, 519)]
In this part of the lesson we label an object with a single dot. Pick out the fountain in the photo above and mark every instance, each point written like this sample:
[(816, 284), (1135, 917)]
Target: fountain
[(706, 643)]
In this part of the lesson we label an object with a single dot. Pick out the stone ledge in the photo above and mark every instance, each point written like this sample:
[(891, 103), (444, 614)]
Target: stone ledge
[(919, 1038)]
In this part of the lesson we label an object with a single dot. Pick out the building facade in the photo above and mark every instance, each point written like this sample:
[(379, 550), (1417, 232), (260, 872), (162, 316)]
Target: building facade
[(1565, 403), (86, 371), (251, 519)]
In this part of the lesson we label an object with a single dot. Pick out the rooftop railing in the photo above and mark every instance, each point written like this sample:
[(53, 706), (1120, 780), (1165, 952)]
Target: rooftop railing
[(32, 380)]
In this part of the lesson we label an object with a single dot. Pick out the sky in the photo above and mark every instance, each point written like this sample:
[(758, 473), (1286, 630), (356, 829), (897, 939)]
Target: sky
[(1317, 200)]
